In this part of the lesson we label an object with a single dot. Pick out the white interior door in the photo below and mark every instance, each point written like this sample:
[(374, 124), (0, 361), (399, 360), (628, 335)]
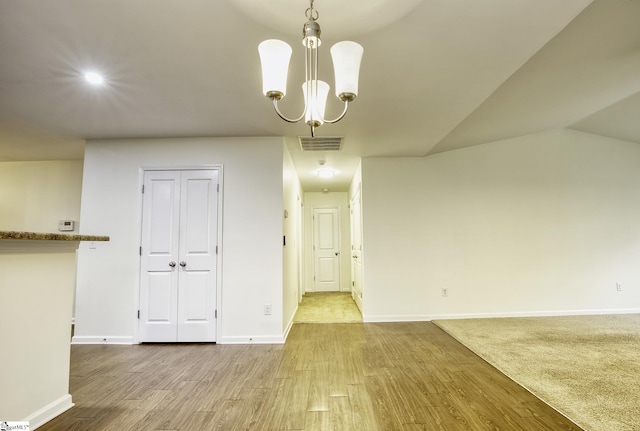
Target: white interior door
[(326, 249), (178, 256), (197, 251), (159, 276)]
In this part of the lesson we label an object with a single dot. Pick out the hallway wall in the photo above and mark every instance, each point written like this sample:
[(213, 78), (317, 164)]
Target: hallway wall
[(292, 250)]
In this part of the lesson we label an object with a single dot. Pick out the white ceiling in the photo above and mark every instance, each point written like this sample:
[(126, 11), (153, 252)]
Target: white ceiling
[(436, 74)]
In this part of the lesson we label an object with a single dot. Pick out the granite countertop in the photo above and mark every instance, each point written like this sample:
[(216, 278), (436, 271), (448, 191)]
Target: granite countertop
[(50, 236)]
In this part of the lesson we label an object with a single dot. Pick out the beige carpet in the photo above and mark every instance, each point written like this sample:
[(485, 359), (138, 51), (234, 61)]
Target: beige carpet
[(586, 367), (327, 307)]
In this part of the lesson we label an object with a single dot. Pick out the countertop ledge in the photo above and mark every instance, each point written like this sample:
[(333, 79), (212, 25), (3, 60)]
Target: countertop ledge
[(38, 236)]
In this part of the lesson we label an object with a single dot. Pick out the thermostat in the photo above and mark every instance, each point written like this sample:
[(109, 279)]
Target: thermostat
[(66, 225)]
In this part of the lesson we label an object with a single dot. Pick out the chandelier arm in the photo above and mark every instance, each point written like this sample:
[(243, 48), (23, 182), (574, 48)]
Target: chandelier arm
[(341, 116), (281, 115)]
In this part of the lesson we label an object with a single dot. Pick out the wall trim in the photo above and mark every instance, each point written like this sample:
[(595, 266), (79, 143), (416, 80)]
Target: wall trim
[(280, 339), (49, 412), (289, 326), (429, 317), (102, 339), (253, 339)]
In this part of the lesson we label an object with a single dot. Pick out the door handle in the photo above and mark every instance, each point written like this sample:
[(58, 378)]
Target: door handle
[(183, 264), (337, 253), (172, 264)]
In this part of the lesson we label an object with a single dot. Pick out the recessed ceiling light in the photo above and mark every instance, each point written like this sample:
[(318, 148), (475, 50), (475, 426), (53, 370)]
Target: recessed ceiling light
[(94, 78), (326, 173)]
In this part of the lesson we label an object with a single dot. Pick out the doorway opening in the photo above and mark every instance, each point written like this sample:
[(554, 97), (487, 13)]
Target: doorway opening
[(327, 280)]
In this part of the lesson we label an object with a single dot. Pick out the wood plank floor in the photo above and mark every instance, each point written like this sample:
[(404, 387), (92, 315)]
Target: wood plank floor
[(372, 376)]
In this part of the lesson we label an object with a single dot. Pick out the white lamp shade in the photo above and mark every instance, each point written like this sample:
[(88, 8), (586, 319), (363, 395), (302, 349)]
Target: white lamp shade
[(346, 56), (316, 102), (274, 57)]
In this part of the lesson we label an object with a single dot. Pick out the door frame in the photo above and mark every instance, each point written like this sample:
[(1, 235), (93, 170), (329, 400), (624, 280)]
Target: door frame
[(300, 245), (356, 254), (141, 171)]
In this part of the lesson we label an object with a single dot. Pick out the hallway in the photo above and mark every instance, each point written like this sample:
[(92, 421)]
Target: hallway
[(327, 307)]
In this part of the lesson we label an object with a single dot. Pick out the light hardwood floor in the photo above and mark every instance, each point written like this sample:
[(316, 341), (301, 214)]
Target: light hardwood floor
[(386, 376)]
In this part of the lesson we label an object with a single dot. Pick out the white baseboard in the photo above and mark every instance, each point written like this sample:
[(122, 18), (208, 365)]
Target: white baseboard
[(49, 412), (289, 326), (246, 339), (429, 317), (98, 339), (253, 339)]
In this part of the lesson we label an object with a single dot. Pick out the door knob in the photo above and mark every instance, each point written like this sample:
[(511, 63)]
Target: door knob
[(337, 253), (183, 264), (172, 264)]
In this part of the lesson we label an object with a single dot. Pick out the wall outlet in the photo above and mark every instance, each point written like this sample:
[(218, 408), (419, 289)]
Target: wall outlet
[(619, 287), (445, 291), (267, 309)]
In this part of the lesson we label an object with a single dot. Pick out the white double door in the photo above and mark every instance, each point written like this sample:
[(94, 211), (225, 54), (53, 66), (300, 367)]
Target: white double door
[(178, 256)]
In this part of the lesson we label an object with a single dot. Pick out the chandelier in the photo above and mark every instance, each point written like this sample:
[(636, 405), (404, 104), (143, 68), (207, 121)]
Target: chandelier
[(275, 56)]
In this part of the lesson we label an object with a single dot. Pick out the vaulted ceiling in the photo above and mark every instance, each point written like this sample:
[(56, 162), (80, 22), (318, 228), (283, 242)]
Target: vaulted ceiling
[(437, 75)]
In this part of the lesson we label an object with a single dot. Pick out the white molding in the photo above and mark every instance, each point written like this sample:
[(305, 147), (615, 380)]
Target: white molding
[(289, 326), (220, 245), (49, 412), (429, 317), (254, 339), (98, 339), (187, 167)]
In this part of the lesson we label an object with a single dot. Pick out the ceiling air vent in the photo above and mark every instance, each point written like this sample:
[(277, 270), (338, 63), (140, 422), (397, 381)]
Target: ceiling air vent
[(320, 143)]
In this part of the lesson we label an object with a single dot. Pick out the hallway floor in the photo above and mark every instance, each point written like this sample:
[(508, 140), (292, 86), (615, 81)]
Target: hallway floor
[(327, 307)]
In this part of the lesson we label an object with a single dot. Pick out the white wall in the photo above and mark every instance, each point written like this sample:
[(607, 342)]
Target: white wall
[(35, 195), (36, 293), (108, 276), (292, 251), (36, 288), (338, 200), (541, 224)]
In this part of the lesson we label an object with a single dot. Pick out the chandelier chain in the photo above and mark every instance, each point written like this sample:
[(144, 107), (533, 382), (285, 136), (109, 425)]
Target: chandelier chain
[(311, 13)]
